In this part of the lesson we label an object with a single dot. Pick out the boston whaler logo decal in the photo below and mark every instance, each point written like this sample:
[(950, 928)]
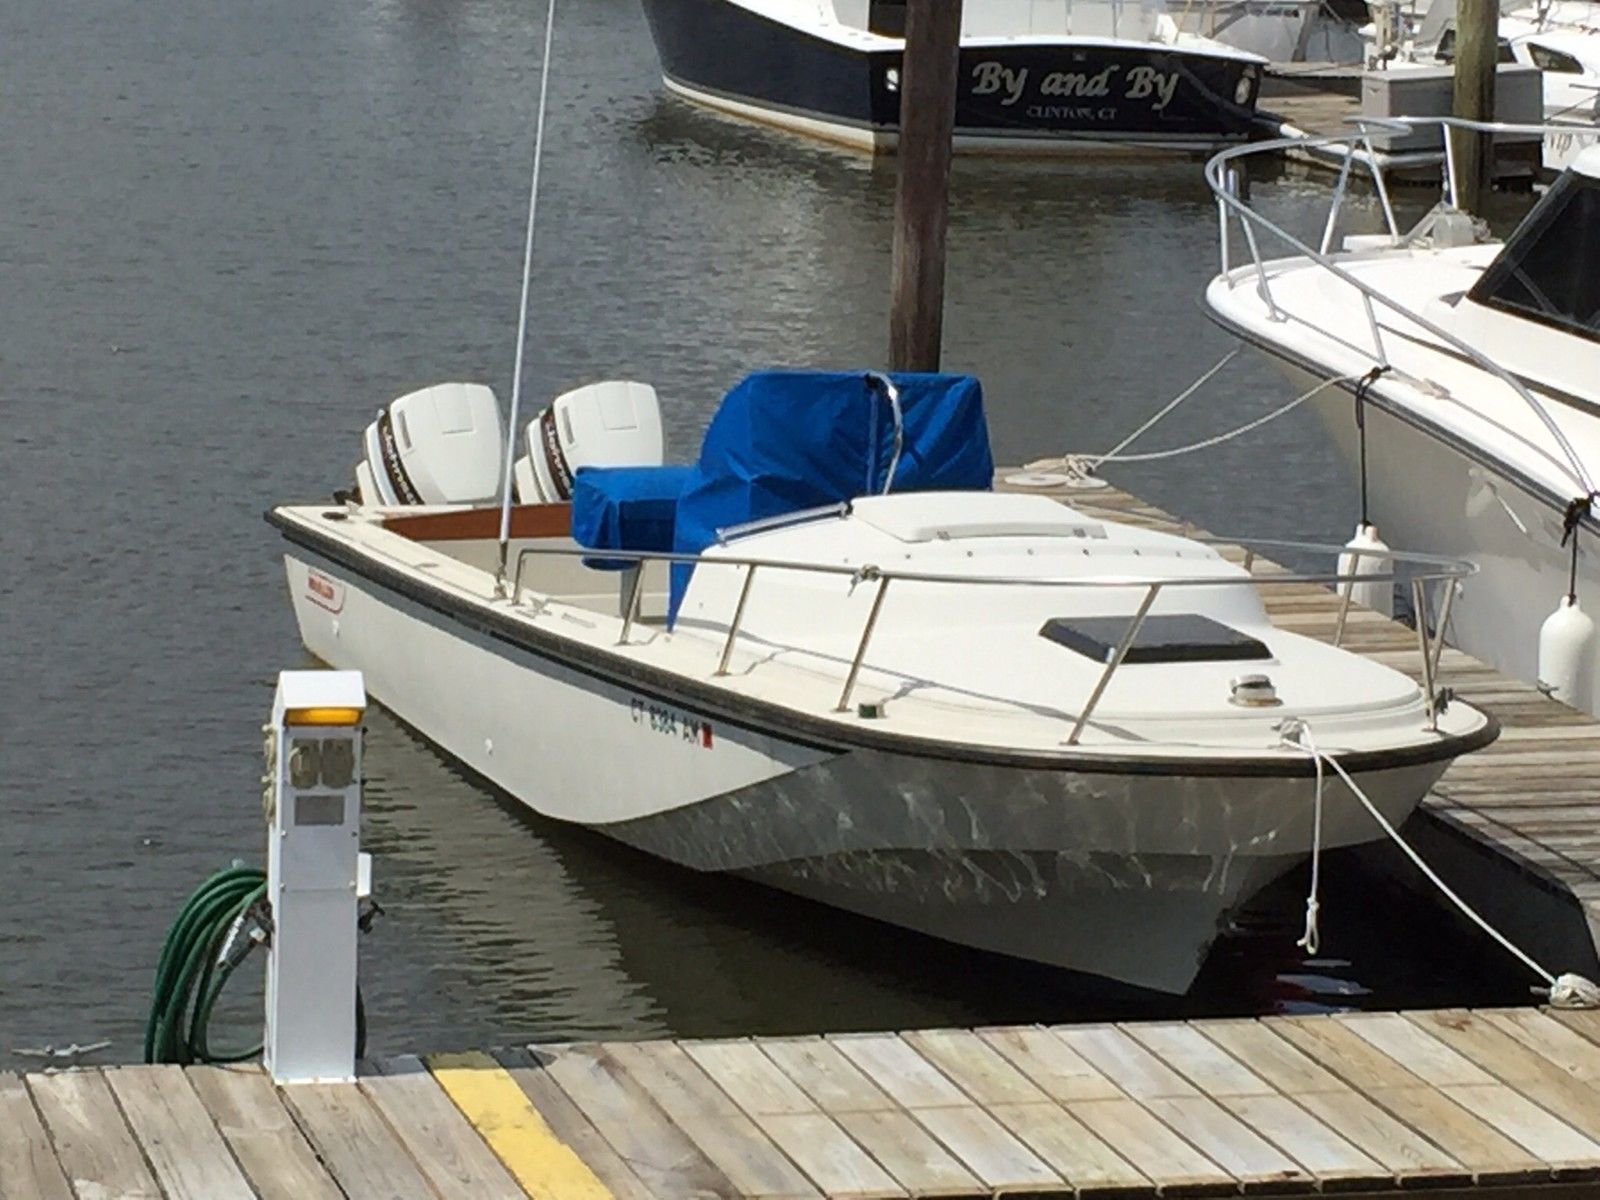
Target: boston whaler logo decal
[(671, 721), (990, 78), (324, 592)]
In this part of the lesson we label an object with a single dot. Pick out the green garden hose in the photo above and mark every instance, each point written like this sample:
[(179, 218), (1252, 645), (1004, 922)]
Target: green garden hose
[(192, 971)]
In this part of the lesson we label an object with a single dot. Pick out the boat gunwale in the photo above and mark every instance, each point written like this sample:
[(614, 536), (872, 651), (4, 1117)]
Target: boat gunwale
[(800, 727)]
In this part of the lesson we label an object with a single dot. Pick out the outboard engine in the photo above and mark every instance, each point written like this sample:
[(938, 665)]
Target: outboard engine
[(611, 424), (440, 445)]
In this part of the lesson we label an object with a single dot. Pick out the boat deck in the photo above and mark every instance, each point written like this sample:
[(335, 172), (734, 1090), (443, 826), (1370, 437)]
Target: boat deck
[(1514, 827), (1375, 1103)]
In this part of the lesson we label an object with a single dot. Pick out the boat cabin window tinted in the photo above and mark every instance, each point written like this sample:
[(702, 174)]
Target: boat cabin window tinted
[(1547, 59), (1180, 637), (887, 17), (1445, 51), (1550, 269)]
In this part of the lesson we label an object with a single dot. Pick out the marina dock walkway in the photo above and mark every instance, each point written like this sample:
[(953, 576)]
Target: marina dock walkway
[(1515, 827), (1368, 1103)]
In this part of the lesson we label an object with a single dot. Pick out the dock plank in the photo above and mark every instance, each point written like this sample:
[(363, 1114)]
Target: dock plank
[(909, 1152), (636, 1128), (444, 1143), (1307, 1140), (974, 1066), (571, 1126), (1256, 1163), (1137, 1071), (987, 1149), (1170, 1162), (1051, 1064), (832, 1081), (1558, 1042), (28, 1165), (910, 1079), (96, 1149), (1070, 1149), (352, 1138), (275, 1156), (1203, 1062), (733, 1140), (182, 1145)]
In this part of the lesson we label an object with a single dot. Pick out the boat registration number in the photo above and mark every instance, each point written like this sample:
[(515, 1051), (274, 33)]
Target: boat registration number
[(671, 722)]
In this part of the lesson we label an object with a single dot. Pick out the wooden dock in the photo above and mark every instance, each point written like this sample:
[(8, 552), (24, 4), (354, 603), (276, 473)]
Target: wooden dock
[(1369, 1103), (1515, 827)]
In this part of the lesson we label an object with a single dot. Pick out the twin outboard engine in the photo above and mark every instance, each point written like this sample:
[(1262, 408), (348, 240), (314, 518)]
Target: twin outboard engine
[(440, 445), (444, 445), (611, 424)]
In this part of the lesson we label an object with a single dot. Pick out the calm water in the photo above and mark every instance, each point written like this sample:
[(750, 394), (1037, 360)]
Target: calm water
[(232, 232)]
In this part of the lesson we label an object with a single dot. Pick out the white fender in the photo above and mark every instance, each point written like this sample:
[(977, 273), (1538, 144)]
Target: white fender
[(1566, 653), (1367, 554)]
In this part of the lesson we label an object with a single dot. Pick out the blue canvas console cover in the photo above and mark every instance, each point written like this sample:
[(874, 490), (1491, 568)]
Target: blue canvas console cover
[(784, 441), (625, 508)]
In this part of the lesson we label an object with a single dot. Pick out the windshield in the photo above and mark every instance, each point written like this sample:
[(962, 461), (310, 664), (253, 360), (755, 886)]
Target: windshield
[(1550, 269)]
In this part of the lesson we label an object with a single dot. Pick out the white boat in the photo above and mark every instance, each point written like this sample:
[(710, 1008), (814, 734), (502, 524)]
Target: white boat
[(1483, 425), (828, 658), (1035, 76), (1561, 38), (1275, 29)]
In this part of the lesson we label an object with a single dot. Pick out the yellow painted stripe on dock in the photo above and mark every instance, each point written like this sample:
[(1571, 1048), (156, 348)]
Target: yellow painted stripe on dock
[(500, 1111)]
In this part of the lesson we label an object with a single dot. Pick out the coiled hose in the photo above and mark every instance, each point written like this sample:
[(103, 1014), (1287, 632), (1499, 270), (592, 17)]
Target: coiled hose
[(193, 971)]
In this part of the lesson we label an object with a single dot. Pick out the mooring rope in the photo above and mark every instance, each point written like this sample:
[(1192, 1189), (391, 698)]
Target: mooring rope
[(1568, 990), (1084, 465)]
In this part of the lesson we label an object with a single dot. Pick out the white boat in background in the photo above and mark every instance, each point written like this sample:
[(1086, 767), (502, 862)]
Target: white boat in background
[(828, 658), (1560, 38), (1275, 29), (1479, 366), (1035, 76)]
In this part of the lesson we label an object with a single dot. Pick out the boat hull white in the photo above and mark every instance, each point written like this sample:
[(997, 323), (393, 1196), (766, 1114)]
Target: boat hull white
[(1423, 491), (1121, 870)]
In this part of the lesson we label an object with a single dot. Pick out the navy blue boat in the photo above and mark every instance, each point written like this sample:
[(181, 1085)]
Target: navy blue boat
[(1035, 75)]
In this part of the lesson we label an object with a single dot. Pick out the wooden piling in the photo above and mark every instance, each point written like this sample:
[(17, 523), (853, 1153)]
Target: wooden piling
[(922, 199), (1477, 43)]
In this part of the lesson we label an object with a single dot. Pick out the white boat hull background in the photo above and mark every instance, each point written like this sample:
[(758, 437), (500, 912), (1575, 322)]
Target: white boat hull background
[(1121, 872)]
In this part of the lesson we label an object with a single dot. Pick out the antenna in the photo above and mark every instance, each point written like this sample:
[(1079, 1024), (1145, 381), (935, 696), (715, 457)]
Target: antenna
[(522, 310)]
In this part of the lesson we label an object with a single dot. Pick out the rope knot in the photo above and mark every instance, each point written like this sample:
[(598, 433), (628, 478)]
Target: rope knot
[(1572, 515)]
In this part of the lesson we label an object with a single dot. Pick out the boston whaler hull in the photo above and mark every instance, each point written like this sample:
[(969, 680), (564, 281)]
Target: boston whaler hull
[(1026, 94), (1121, 870)]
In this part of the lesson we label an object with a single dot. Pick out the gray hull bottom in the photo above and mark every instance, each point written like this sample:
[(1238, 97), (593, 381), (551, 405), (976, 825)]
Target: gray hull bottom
[(1127, 877), (1146, 923)]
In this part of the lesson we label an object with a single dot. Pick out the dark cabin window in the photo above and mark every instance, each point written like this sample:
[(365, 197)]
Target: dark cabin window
[(887, 17), (1445, 51), (1555, 61), (1550, 269)]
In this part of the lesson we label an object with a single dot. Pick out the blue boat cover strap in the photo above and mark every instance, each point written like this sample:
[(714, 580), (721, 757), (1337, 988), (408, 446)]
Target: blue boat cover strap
[(785, 441)]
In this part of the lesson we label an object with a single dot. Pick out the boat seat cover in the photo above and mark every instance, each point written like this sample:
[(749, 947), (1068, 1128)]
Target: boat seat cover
[(785, 441), (625, 508)]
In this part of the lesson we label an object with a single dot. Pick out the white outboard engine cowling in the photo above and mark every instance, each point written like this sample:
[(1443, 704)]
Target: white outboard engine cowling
[(440, 445), (611, 424)]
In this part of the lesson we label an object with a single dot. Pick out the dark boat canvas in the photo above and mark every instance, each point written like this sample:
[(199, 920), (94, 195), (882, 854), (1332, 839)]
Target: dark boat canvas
[(1036, 76)]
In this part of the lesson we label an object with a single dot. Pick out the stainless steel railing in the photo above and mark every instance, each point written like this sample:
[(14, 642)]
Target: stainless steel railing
[(1424, 570), (1222, 177)]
